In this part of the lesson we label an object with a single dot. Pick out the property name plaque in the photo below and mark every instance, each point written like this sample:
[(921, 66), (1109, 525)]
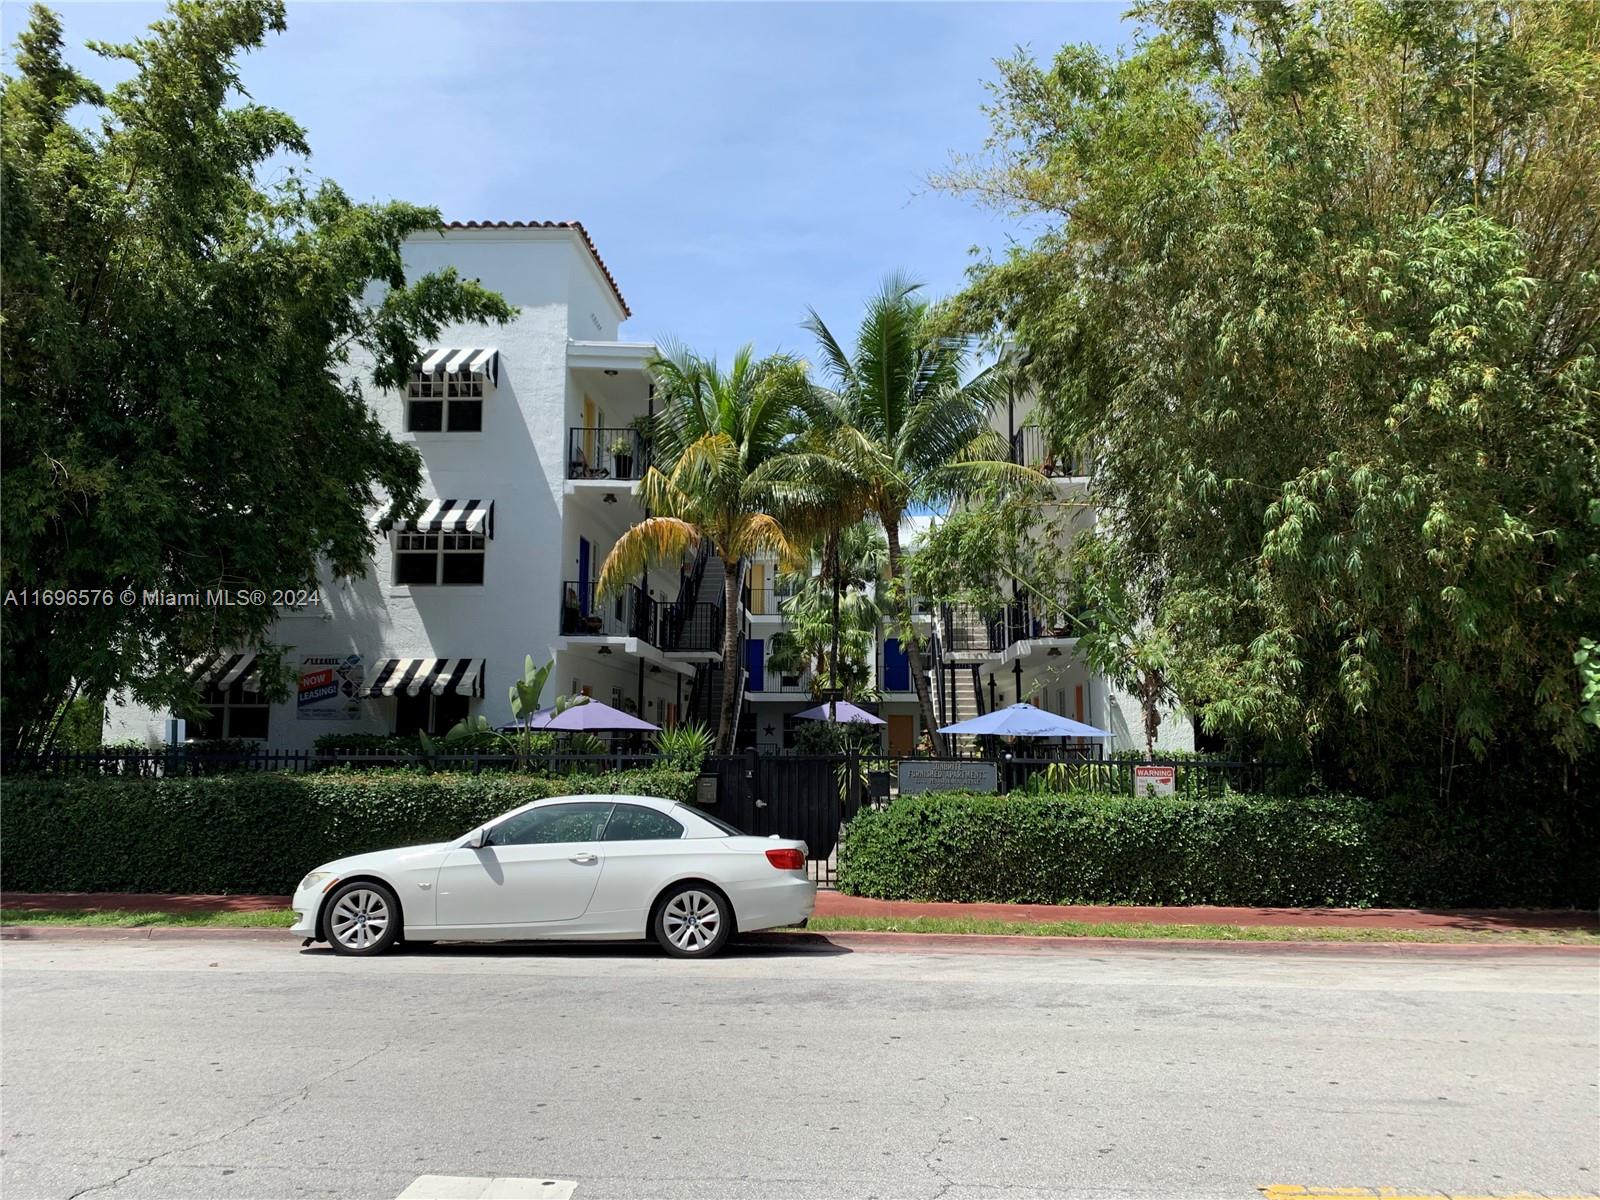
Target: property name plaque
[(946, 775)]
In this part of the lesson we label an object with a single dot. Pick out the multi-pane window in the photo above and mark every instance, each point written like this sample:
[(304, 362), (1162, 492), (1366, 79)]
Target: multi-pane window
[(445, 401), (434, 558), (234, 713)]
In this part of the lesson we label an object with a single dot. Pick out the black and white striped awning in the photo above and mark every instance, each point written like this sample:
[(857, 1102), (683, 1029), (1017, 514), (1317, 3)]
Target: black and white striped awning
[(453, 516), (451, 359), (391, 676), (225, 670)]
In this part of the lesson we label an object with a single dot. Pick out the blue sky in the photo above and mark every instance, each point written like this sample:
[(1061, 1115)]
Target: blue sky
[(733, 162)]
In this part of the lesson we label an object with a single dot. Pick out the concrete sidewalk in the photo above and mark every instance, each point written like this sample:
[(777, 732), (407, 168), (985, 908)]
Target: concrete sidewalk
[(836, 904)]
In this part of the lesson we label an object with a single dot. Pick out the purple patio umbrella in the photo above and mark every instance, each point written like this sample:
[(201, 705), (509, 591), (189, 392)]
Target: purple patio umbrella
[(594, 717), (534, 720), (841, 712)]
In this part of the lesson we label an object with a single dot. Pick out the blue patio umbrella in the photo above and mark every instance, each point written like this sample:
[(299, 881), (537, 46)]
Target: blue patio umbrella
[(1024, 720), (840, 711)]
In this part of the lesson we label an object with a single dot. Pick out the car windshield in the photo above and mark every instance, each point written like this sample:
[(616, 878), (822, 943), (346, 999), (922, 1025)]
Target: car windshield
[(720, 824)]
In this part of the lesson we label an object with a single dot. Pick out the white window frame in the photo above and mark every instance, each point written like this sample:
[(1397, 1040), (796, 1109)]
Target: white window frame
[(225, 707), (444, 545), (442, 387)]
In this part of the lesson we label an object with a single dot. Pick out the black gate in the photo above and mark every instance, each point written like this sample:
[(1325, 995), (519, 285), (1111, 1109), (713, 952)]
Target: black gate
[(805, 796)]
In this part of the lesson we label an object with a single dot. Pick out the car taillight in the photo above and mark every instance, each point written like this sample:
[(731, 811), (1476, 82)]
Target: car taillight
[(787, 860)]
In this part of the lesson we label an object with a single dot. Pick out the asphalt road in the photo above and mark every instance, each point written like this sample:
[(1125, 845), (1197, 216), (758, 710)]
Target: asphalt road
[(218, 1069)]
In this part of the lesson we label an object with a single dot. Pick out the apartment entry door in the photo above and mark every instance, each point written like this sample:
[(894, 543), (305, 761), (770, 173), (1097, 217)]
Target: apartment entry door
[(902, 730)]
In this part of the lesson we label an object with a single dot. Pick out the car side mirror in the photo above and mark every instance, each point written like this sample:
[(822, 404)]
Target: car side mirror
[(478, 840)]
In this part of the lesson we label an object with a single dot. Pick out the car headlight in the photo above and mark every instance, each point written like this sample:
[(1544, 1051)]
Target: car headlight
[(314, 878)]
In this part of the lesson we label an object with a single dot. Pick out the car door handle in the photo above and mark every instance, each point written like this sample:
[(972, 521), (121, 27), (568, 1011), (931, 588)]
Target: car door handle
[(585, 858)]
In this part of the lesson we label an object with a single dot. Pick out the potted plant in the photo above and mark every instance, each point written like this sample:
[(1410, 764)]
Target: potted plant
[(622, 455)]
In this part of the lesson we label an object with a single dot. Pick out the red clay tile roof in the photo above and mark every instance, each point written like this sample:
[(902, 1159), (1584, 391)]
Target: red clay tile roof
[(582, 232)]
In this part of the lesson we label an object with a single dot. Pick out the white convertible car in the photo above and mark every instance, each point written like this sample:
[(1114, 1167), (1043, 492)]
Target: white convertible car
[(601, 868)]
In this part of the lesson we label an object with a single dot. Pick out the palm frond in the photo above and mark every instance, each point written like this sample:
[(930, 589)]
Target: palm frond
[(651, 542), (662, 496)]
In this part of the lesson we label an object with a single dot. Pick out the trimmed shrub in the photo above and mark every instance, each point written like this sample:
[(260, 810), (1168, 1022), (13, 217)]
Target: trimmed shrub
[(368, 743), (254, 832), (1092, 848)]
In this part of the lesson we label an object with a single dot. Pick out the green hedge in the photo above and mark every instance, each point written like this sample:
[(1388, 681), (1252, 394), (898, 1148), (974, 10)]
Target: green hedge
[(253, 832), (1091, 848)]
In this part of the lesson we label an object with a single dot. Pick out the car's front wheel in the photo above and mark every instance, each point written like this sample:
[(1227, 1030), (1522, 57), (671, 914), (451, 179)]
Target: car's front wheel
[(693, 921), (363, 918)]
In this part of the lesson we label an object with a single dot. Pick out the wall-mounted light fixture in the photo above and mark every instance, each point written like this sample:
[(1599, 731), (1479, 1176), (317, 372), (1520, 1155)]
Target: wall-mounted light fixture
[(1054, 652), (605, 649), (611, 497), (611, 370)]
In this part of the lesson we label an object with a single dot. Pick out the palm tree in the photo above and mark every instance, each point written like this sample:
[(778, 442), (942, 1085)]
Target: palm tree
[(831, 619), (715, 431), (903, 428)]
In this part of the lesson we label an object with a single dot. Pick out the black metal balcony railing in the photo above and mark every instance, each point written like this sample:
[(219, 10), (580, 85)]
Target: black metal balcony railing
[(1031, 448), (965, 629), (695, 626), (777, 681), (626, 613), (1022, 621), (594, 453)]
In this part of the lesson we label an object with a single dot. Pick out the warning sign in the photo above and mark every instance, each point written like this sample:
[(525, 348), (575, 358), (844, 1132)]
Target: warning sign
[(1151, 780)]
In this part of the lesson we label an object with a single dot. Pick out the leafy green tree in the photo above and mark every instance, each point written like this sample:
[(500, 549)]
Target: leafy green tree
[(1320, 282), (182, 348), (712, 436), (905, 425)]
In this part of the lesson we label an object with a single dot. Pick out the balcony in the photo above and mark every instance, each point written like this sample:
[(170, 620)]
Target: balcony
[(1031, 448), (1025, 621), (966, 630), (626, 613), (768, 600), (777, 683), (614, 454), (688, 628)]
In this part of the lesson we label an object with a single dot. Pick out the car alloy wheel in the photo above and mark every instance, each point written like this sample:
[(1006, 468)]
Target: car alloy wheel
[(693, 923), (363, 918)]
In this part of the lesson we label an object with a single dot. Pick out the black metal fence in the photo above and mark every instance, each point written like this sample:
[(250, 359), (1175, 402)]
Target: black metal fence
[(793, 795), (179, 762)]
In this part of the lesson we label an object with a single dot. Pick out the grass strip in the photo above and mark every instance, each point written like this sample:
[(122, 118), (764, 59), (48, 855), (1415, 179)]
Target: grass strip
[(1137, 930), (123, 919)]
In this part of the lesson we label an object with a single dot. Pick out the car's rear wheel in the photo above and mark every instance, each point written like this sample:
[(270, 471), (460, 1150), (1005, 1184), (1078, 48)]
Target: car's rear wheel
[(363, 918), (693, 921)]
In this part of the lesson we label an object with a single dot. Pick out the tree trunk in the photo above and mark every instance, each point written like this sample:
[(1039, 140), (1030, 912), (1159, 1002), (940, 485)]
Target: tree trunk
[(919, 675), (1149, 700), (731, 571), (833, 559)]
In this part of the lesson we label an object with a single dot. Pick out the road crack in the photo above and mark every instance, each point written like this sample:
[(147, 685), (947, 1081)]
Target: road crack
[(298, 1096)]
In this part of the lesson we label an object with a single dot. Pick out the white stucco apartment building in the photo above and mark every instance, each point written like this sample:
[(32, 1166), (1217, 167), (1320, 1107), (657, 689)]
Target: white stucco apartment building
[(1025, 652), (529, 455)]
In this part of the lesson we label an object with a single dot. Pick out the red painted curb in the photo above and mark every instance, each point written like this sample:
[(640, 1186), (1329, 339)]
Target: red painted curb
[(836, 904), (867, 942), (141, 933)]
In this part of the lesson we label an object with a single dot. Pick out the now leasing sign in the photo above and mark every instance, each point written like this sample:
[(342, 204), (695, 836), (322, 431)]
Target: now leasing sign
[(1149, 780), (330, 688)]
